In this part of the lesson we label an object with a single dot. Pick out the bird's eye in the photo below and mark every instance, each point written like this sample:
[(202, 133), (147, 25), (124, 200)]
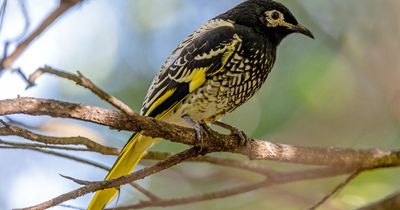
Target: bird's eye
[(275, 15), (274, 18)]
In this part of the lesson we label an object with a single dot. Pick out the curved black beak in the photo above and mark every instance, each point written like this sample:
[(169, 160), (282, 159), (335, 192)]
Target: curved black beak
[(302, 30)]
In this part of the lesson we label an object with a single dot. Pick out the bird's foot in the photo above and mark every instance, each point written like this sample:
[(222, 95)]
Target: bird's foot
[(242, 137), (202, 130)]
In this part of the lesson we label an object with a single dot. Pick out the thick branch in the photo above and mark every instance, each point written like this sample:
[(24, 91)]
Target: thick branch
[(214, 142)]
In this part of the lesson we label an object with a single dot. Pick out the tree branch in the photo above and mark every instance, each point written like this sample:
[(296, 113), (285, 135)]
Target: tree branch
[(282, 178), (74, 158), (147, 193), (192, 152), (215, 142), (27, 145), (64, 6), (9, 130), (58, 154), (81, 80), (335, 190)]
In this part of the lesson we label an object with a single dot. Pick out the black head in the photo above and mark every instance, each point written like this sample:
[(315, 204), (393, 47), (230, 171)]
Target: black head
[(268, 17)]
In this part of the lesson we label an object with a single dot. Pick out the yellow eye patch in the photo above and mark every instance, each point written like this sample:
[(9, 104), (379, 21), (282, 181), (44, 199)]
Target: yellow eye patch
[(274, 18)]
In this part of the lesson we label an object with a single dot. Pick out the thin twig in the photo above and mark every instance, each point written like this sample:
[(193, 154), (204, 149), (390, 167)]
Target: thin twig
[(146, 192), (335, 190), (246, 165), (77, 181), (9, 130), (59, 154), (34, 147), (162, 165), (81, 80), (239, 164), (70, 157), (22, 145), (25, 16), (64, 6), (196, 198), (71, 207), (27, 21), (281, 179), (141, 189), (2, 13), (21, 74)]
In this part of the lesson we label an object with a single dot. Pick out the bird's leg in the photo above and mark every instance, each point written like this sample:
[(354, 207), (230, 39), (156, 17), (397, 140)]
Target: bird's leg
[(243, 139), (200, 128)]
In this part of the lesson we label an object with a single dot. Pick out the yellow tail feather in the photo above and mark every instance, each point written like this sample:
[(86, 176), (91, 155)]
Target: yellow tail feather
[(126, 162)]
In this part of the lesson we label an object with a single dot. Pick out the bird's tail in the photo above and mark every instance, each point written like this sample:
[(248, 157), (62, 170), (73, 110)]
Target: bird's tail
[(131, 154)]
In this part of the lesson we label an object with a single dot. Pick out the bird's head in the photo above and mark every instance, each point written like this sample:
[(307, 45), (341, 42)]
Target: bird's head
[(268, 17)]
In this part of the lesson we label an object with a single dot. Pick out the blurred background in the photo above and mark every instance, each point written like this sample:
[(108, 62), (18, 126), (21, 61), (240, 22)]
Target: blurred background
[(341, 89)]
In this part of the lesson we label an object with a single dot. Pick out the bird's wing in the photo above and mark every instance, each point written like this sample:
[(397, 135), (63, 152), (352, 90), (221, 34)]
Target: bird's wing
[(201, 56)]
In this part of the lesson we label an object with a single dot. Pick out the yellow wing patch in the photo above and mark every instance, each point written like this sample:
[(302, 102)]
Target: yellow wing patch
[(161, 99), (197, 78)]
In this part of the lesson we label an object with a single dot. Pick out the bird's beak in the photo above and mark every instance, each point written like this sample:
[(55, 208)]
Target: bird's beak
[(302, 30)]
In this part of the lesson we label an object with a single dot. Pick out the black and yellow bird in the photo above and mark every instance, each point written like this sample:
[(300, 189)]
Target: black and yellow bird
[(216, 69)]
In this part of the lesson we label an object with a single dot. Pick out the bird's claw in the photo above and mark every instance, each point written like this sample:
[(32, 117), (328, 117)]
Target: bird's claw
[(242, 137), (202, 130)]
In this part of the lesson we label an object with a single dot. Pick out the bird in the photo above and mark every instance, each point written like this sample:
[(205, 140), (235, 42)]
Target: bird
[(213, 71)]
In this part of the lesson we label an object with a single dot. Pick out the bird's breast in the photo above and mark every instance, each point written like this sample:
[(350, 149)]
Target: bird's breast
[(240, 79)]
